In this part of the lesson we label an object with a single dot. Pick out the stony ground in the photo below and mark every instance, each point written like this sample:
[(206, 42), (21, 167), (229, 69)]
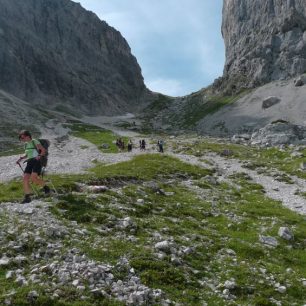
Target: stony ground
[(40, 248)]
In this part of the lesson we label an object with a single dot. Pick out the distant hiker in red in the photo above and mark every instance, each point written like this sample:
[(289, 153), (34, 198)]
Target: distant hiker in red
[(34, 151)]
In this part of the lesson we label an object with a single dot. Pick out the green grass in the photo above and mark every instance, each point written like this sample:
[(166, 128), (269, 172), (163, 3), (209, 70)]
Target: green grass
[(150, 166), (254, 158), (162, 102), (210, 219), (199, 107), (234, 222), (97, 136)]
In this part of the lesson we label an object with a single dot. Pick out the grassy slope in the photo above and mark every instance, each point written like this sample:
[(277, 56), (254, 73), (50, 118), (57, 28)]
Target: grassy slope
[(254, 158), (96, 135), (193, 108), (210, 219)]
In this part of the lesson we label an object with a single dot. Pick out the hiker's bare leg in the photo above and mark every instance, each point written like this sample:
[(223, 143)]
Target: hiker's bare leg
[(37, 180), (26, 183)]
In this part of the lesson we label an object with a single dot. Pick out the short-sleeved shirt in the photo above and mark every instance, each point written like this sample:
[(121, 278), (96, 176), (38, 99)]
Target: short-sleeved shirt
[(30, 148)]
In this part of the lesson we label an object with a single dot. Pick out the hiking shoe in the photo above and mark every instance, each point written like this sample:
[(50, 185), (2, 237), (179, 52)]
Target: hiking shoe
[(26, 199), (46, 189)]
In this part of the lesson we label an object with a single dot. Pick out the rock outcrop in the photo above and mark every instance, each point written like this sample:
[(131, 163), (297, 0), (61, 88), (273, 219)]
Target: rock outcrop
[(280, 133), (264, 40), (55, 53)]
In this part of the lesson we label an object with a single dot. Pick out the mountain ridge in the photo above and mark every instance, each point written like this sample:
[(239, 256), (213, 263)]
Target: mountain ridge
[(57, 53)]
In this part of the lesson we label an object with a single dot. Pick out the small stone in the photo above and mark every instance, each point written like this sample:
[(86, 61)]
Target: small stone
[(303, 166), (4, 261), (285, 233), (230, 284), (270, 101), (9, 274), (20, 259), (269, 241), (226, 292), (281, 289), (21, 281), (32, 296), (169, 193), (97, 189), (105, 146), (163, 246), (140, 201), (29, 211), (96, 292)]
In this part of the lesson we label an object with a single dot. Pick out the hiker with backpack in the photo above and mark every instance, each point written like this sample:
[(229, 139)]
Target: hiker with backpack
[(160, 145), (35, 157), (130, 146)]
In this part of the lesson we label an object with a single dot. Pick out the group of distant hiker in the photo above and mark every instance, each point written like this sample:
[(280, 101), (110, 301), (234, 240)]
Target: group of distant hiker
[(142, 145), (121, 145)]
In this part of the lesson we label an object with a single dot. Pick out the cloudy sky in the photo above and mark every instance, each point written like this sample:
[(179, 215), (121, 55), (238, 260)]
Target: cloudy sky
[(177, 43)]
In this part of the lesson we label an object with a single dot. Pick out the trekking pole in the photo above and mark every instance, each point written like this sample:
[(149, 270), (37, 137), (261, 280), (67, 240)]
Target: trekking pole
[(34, 190), (18, 163), (49, 180)]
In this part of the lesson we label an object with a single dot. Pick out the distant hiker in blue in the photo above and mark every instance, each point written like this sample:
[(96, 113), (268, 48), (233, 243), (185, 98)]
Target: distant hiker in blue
[(160, 145), (34, 151)]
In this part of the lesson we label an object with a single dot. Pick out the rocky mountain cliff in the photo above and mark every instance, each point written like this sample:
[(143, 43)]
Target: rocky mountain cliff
[(264, 40), (265, 61), (55, 53)]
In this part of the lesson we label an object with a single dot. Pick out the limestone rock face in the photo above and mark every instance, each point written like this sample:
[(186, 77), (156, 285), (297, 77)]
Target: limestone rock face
[(54, 52), (264, 40)]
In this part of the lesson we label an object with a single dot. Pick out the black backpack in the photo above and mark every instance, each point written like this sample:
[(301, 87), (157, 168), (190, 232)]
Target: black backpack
[(46, 144)]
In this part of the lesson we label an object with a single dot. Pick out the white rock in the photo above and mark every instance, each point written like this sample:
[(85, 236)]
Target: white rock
[(32, 295), (97, 189), (285, 233), (163, 246), (281, 289), (230, 284), (269, 241), (4, 261), (9, 274), (20, 259), (28, 211), (226, 292)]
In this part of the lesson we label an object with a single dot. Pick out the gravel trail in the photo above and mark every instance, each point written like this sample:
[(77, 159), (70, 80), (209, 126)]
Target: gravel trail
[(274, 189)]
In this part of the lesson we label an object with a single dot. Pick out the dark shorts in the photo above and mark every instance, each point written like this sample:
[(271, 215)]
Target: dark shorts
[(33, 166)]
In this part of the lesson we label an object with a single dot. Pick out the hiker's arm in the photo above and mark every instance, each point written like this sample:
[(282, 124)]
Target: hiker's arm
[(41, 149), (20, 159)]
